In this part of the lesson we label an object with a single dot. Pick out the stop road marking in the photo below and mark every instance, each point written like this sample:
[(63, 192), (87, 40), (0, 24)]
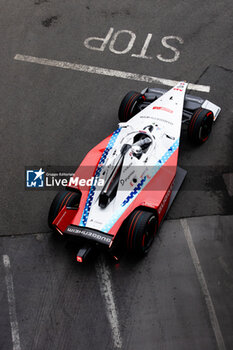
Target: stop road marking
[(100, 44)]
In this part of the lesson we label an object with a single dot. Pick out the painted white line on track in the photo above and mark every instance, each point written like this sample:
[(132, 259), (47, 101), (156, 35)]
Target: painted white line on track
[(106, 71), (104, 278), (11, 303), (204, 287)]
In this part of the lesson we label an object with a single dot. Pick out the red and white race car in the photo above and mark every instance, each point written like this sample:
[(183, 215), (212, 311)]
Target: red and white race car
[(134, 173)]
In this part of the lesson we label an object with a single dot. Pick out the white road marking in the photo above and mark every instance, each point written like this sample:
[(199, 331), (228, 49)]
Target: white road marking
[(144, 48), (90, 42), (225, 267), (228, 179), (129, 45), (104, 278), (11, 303), (204, 287), (103, 41), (165, 44), (106, 71)]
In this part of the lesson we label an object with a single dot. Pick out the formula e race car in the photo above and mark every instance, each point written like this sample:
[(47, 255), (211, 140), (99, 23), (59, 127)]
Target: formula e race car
[(132, 176)]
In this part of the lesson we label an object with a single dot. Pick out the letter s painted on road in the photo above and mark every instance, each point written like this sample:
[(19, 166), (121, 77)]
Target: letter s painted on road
[(165, 44)]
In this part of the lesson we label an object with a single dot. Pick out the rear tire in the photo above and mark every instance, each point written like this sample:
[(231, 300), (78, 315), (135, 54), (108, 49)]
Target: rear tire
[(141, 228), (63, 198), (126, 109), (200, 126)]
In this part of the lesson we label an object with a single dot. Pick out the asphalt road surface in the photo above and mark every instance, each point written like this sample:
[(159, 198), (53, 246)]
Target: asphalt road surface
[(180, 295)]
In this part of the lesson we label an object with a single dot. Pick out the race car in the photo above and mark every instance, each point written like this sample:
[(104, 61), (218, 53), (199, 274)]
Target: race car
[(133, 174)]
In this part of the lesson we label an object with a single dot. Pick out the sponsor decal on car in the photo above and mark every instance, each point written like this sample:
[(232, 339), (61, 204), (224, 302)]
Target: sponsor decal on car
[(87, 233), (165, 109), (164, 201)]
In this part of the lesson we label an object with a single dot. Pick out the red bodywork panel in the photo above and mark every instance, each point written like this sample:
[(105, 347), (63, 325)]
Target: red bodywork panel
[(155, 195)]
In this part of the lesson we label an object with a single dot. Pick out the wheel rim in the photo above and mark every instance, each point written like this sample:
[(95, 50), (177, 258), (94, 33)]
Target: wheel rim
[(149, 234)]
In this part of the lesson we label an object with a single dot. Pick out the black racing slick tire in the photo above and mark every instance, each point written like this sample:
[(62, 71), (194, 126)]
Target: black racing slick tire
[(141, 228), (200, 126), (63, 198), (126, 109)]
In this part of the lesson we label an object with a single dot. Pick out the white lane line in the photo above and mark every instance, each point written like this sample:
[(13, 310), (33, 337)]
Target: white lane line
[(225, 267), (204, 287), (104, 278), (106, 71), (11, 303), (228, 179)]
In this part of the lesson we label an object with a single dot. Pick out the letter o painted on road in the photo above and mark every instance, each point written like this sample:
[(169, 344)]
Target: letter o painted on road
[(130, 43)]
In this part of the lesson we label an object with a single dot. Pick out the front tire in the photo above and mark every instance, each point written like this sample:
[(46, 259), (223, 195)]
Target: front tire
[(200, 126), (127, 106), (63, 198), (141, 228)]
